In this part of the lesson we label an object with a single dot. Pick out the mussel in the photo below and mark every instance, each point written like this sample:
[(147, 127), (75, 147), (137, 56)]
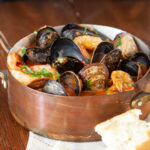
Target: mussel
[(130, 67), (46, 36), (54, 87), (142, 58), (105, 53), (37, 54), (73, 30), (65, 53), (126, 43), (94, 76), (102, 49), (63, 64), (137, 66), (71, 83)]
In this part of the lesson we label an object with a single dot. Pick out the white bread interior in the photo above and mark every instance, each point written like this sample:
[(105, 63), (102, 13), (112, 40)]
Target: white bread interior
[(125, 131)]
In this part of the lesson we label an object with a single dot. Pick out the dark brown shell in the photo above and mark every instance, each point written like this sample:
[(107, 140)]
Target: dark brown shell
[(94, 74)]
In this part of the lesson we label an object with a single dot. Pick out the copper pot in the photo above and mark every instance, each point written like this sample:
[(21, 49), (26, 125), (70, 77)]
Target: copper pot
[(71, 118)]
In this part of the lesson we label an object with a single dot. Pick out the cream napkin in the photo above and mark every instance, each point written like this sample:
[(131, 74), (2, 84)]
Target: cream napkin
[(37, 142)]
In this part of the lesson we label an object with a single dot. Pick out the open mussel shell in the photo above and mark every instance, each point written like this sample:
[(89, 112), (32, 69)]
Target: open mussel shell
[(46, 36), (102, 49), (126, 43), (142, 58), (63, 64), (73, 30), (71, 81), (129, 66), (37, 54), (53, 87), (66, 48), (94, 76)]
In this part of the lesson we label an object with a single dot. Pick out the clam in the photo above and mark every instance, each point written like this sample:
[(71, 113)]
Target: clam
[(46, 36), (94, 76), (126, 43)]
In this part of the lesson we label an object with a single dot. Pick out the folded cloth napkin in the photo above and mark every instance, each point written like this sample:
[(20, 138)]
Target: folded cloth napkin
[(37, 142)]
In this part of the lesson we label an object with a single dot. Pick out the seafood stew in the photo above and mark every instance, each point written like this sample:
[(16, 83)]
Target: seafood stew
[(79, 60)]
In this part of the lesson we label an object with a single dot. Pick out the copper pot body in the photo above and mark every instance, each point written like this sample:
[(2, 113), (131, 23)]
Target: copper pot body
[(70, 118)]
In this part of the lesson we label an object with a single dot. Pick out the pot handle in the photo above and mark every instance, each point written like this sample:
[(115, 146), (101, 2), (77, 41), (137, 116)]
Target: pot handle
[(4, 43), (3, 76), (143, 94)]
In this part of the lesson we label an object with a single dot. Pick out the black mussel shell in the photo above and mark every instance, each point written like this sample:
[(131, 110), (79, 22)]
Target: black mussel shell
[(73, 30), (102, 49), (63, 64), (112, 59), (46, 36), (71, 80), (129, 66), (142, 58), (94, 76), (37, 54), (53, 87), (66, 48)]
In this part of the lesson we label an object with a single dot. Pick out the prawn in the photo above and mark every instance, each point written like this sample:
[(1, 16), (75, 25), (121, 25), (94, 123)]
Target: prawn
[(121, 81), (85, 42), (15, 64)]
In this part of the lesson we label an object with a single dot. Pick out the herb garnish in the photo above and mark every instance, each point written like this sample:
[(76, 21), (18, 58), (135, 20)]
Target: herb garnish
[(119, 42), (88, 84), (48, 31), (23, 51), (60, 60), (71, 38), (42, 73), (108, 90), (85, 30), (26, 69), (35, 32), (88, 58), (58, 76)]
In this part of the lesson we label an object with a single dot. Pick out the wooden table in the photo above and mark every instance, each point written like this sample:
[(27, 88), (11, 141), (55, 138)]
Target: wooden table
[(20, 18)]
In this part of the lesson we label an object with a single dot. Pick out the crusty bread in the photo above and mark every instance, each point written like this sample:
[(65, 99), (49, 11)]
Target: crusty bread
[(125, 132)]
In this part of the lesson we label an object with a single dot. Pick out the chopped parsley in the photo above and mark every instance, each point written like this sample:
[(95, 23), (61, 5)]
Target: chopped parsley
[(58, 76), (119, 77), (85, 30), (71, 38), (60, 60), (23, 51), (130, 84), (119, 42), (35, 32), (48, 31), (108, 90), (88, 84), (88, 58), (39, 74)]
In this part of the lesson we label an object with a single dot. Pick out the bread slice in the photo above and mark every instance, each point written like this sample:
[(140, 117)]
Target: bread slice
[(125, 132)]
